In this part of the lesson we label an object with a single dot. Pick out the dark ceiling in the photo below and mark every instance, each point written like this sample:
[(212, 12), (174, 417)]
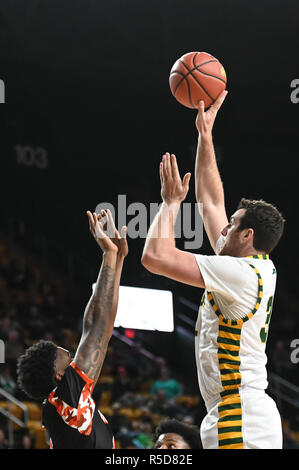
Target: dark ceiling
[(88, 82)]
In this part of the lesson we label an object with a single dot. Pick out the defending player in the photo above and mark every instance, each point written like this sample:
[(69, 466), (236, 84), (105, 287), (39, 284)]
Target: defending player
[(47, 371), (234, 315)]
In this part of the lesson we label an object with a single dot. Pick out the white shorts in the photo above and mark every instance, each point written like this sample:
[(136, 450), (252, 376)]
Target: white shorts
[(248, 420)]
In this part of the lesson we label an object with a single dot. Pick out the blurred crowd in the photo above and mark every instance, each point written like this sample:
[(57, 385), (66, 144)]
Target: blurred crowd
[(134, 392)]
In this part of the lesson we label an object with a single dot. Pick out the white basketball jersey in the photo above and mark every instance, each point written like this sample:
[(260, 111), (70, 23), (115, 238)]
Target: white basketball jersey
[(232, 325)]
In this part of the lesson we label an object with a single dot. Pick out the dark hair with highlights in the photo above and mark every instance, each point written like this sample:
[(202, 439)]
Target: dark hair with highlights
[(266, 221), (36, 370), (188, 433)]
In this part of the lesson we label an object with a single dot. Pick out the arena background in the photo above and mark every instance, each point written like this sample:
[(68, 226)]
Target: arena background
[(88, 114)]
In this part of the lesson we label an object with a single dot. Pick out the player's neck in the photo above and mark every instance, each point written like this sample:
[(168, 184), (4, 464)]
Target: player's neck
[(250, 252)]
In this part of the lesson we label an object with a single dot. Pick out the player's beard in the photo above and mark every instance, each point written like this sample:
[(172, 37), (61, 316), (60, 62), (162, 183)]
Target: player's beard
[(220, 244)]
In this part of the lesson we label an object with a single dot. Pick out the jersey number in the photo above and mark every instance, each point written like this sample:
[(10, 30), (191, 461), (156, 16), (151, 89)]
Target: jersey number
[(264, 329)]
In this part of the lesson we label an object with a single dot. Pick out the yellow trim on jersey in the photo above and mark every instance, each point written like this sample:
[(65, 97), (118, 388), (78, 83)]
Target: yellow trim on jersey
[(229, 335), (230, 434), (233, 446), (260, 256)]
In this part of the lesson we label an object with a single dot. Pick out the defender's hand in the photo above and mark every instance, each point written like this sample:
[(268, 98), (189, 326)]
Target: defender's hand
[(173, 188), (96, 227), (205, 119), (120, 240)]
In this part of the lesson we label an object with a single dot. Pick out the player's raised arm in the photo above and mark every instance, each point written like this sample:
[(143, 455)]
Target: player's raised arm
[(160, 255), (208, 185), (100, 312)]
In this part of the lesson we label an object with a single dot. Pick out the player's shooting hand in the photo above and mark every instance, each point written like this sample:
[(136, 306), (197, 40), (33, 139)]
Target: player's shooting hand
[(173, 188), (96, 227), (205, 119)]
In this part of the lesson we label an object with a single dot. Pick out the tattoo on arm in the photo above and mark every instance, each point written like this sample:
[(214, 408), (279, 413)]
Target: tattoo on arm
[(98, 325)]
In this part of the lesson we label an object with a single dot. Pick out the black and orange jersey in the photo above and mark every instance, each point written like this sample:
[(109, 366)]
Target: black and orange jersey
[(71, 416)]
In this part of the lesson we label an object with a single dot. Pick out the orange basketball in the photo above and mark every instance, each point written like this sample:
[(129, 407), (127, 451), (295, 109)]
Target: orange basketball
[(197, 76)]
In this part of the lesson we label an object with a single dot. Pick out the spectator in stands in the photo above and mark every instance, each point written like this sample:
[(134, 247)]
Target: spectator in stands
[(27, 442), (13, 316), (189, 420), (18, 274), (170, 386), (3, 440), (117, 420), (126, 435), (289, 440), (5, 327), (172, 434), (6, 380), (35, 322), (122, 383), (49, 304), (137, 364), (14, 346), (146, 415), (163, 406), (143, 439)]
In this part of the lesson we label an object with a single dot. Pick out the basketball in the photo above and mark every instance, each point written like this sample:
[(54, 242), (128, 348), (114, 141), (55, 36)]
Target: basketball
[(197, 76)]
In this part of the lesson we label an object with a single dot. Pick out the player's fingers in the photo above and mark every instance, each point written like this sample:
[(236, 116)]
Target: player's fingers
[(219, 101), (100, 218), (161, 173), (95, 219), (104, 220), (164, 168), (186, 181), (97, 226), (200, 118), (168, 165), (89, 215), (175, 168), (201, 108), (109, 217), (113, 232), (98, 230), (124, 231), (90, 220)]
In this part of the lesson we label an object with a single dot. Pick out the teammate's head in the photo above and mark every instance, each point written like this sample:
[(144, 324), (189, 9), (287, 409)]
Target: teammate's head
[(172, 434), (256, 225), (41, 368)]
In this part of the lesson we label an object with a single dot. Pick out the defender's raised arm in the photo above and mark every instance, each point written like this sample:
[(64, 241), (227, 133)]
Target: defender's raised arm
[(99, 316)]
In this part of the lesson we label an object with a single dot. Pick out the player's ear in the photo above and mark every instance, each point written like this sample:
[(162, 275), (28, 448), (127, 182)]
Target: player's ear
[(59, 374), (248, 234)]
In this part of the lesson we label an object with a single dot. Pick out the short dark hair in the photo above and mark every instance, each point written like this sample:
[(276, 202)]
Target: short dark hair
[(189, 433), (266, 221), (36, 370)]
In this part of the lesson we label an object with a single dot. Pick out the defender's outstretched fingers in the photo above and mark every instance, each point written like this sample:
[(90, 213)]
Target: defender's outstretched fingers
[(124, 231), (102, 220), (111, 229), (90, 220)]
